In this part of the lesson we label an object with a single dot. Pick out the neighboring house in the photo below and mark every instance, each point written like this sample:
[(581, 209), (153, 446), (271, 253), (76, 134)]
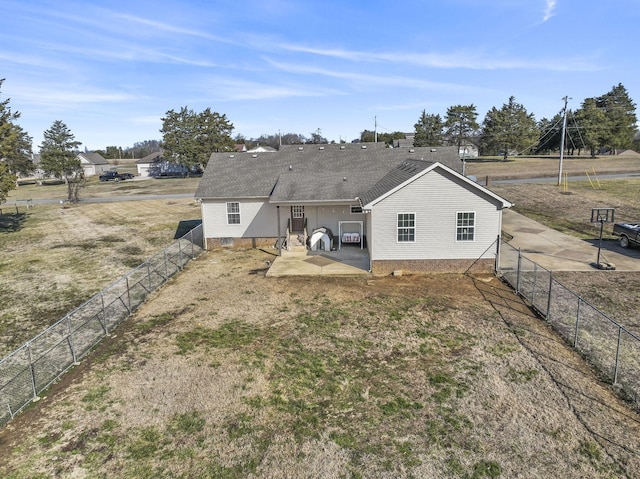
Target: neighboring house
[(93, 163), (409, 208), (262, 149), (468, 150), (155, 165), (147, 163), (406, 142)]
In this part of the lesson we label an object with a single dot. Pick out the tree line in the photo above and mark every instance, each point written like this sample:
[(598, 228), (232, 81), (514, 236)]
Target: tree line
[(607, 121)]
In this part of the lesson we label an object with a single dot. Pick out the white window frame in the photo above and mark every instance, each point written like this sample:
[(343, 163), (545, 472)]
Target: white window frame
[(398, 228), (233, 212), (464, 228)]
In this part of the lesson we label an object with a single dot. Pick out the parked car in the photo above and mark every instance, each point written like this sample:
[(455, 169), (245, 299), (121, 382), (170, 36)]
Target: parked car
[(115, 176), (628, 233)]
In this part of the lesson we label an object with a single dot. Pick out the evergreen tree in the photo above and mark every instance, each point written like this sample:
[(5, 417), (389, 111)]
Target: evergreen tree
[(621, 119), (428, 130), (508, 130), (189, 138), (15, 149), (460, 124), (59, 157), (593, 125)]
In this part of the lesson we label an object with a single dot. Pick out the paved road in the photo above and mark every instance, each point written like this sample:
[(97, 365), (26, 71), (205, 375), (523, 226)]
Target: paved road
[(557, 251)]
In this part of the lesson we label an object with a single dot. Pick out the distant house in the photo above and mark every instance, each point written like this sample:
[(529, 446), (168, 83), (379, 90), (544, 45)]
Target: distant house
[(406, 142), (93, 163), (262, 149), (155, 166), (409, 208)]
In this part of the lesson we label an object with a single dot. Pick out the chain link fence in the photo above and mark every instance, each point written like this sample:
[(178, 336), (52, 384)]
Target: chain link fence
[(32, 368), (608, 345)]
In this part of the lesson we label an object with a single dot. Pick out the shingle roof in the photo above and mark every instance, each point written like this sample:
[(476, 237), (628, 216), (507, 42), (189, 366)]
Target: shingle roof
[(94, 158), (150, 158), (312, 172), (401, 173)]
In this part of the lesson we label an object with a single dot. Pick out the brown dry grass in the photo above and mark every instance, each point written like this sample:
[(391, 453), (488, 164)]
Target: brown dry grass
[(548, 166), (615, 293), (230, 374), (58, 258)]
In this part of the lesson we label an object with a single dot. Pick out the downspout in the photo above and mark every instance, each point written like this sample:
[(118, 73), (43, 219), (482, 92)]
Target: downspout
[(279, 232)]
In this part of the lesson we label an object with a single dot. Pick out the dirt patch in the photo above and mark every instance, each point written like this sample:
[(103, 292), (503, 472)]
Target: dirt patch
[(225, 373)]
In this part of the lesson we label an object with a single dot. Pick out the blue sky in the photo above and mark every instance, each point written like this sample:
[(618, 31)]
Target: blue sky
[(111, 69)]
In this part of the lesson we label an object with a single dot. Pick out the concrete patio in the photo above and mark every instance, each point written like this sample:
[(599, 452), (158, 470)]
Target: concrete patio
[(348, 261)]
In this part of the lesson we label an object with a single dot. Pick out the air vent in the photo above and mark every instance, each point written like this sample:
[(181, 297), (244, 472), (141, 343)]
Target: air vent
[(321, 148), (300, 148), (342, 147), (364, 147), (232, 156), (433, 150), (344, 178), (412, 150), (254, 156)]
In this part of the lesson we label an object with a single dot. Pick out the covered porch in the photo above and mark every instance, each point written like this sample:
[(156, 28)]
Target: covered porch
[(348, 261)]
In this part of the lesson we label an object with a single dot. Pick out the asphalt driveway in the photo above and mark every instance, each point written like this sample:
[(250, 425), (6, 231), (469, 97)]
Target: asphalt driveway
[(557, 251)]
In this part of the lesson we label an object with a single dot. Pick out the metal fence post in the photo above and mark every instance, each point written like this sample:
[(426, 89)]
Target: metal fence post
[(128, 294), (518, 271), (33, 373), (615, 370), (70, 341), (103, 323), (166, 266), (575, 337), (548, 315), (535, 279)]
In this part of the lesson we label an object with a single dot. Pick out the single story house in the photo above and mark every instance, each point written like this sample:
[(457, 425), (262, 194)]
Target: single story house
[(411, 209), (155, 165), (93, 163)]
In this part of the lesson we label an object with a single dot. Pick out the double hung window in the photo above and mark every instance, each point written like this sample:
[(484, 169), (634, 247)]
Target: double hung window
[(233, 213), (406, 227)]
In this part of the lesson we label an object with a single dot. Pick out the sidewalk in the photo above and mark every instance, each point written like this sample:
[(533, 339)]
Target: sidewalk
[(557, 251)]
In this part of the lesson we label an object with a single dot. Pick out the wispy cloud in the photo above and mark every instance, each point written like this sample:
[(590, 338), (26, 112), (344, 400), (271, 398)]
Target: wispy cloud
[(234, 90), (363, 79), (549, 10), (65, 96), (452, 60)]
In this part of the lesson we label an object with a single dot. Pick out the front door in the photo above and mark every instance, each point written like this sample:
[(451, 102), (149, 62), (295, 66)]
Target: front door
[(297, 218)]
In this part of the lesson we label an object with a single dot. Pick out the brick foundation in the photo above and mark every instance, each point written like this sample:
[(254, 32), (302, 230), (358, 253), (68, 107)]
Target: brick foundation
[(386, 267)]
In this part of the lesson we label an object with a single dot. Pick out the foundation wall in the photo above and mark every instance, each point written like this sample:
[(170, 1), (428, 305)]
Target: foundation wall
[(386, 267)]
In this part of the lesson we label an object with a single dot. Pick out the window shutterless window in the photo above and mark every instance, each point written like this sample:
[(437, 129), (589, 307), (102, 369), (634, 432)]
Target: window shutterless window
[(406, 227), (466, 226), (233, 213)]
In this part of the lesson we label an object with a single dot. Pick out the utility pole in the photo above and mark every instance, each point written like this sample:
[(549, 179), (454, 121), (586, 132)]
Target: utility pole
[(375, 129), (564, 127)]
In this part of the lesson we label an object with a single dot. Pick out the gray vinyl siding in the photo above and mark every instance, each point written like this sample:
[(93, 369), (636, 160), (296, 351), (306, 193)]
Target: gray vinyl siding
[(258, 219), (441, 196)]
